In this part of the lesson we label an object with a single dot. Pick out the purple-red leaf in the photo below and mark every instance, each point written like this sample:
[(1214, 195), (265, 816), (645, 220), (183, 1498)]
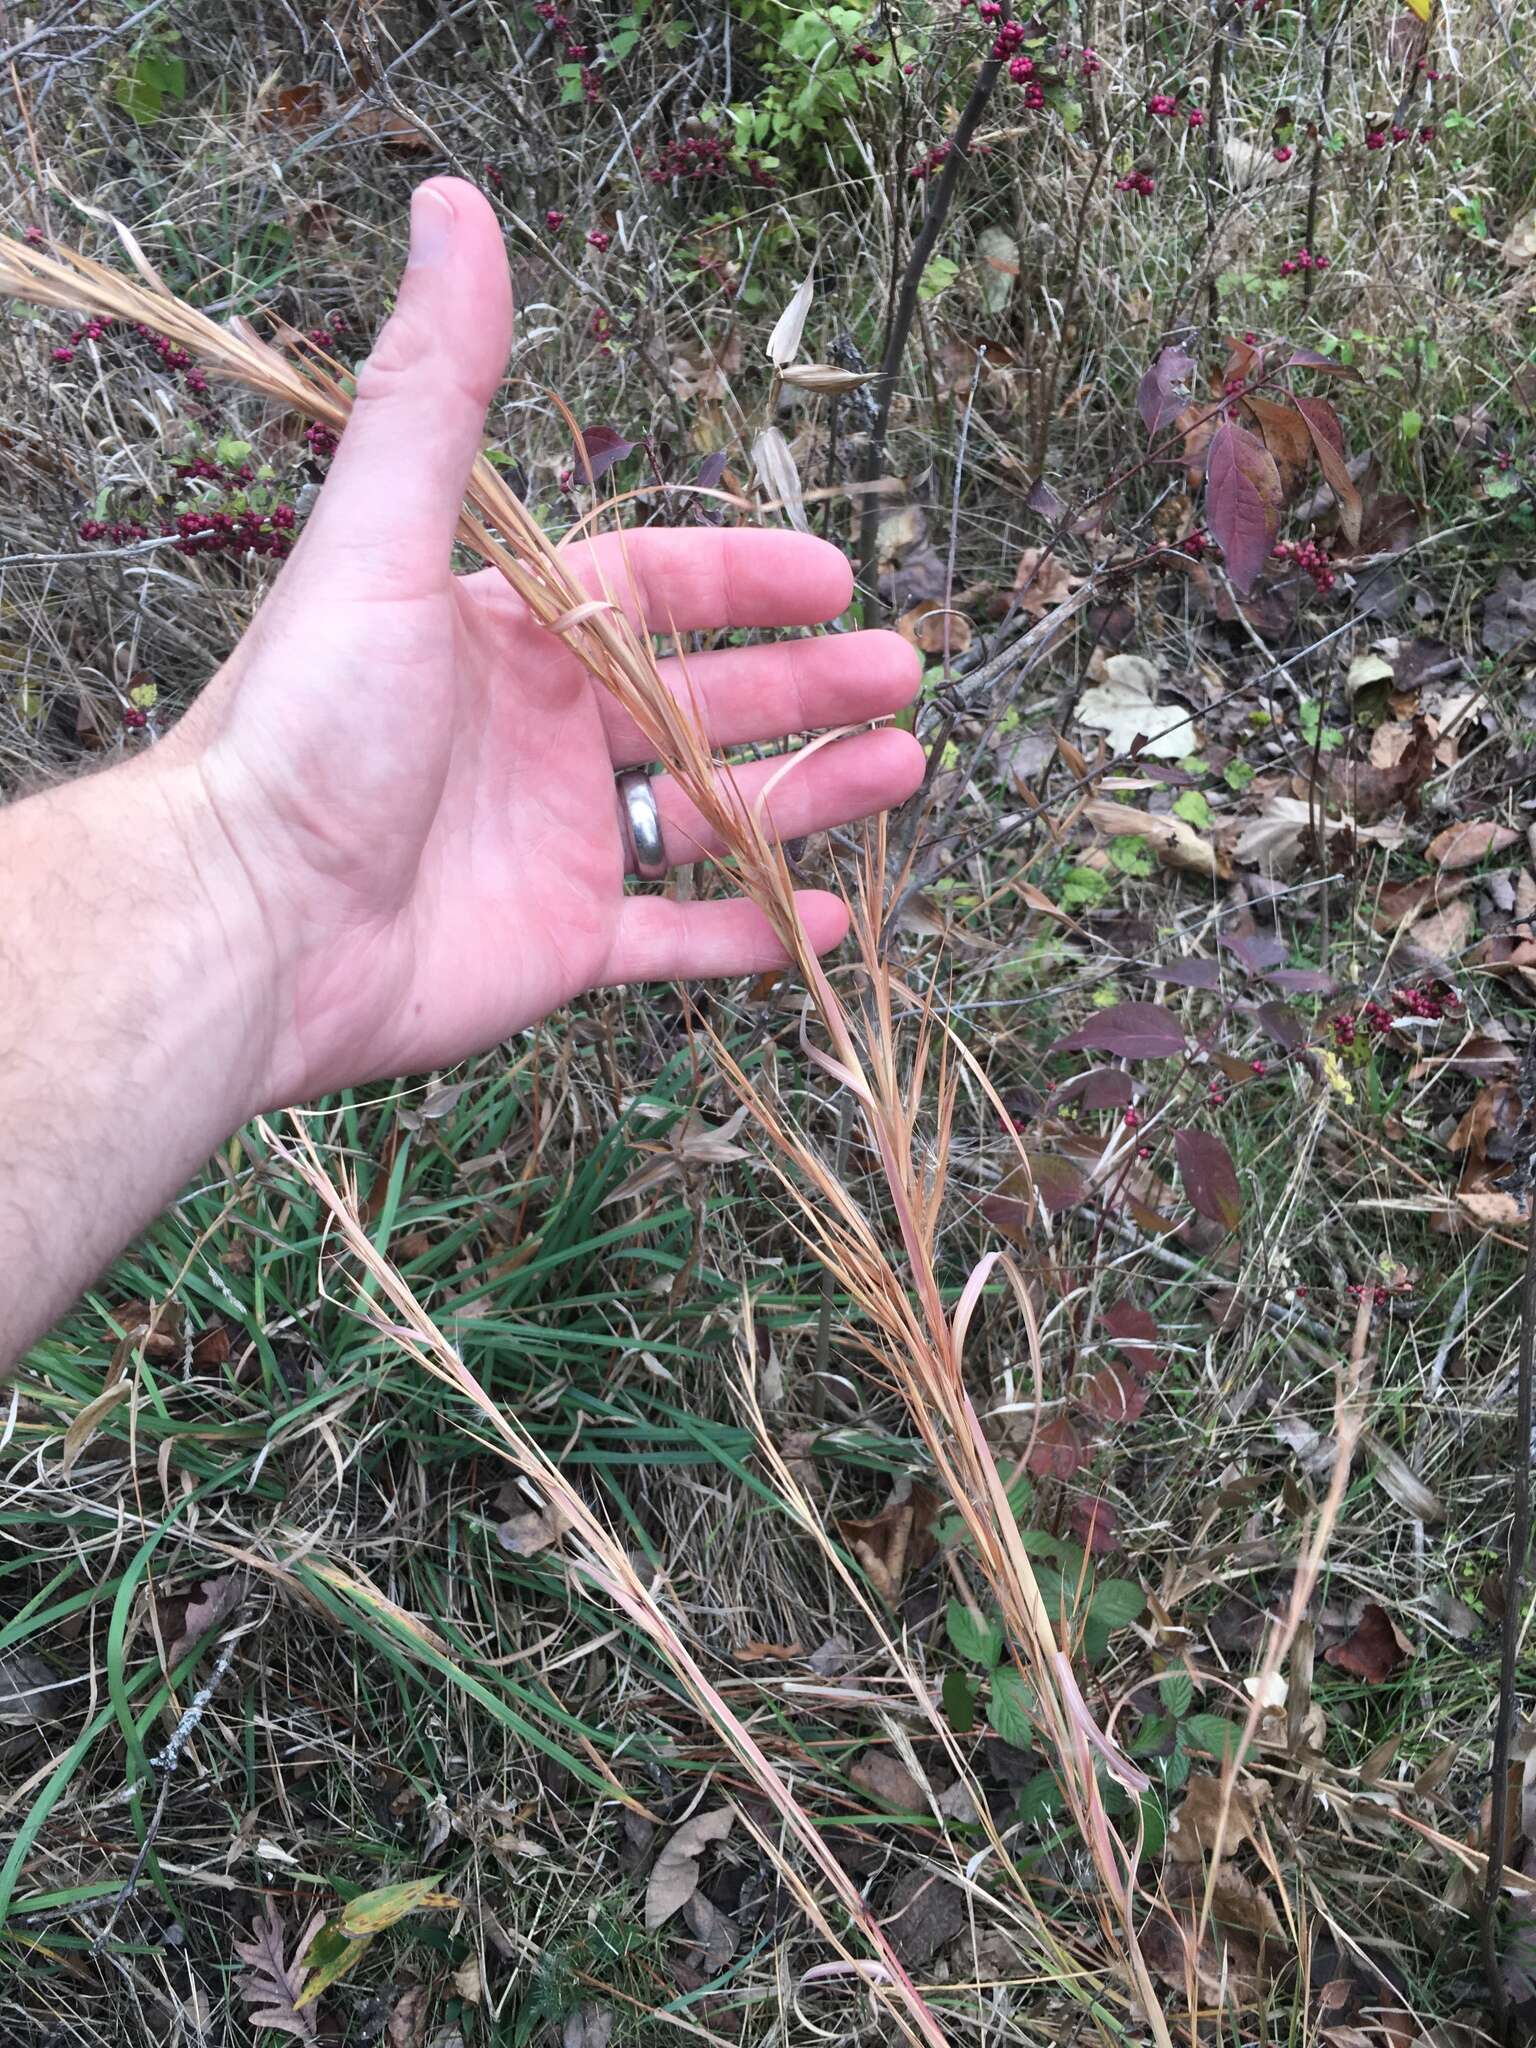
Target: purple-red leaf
[(598, 449), (1242, 501), (1256, 950), (1209, 1177), (1281, 1023), (1333, 460), (1095, 1525), (1133, 1331), (1195, 972), (1099, 1088), (1136, 1031), (1164, 390), (1056, 1451), (1309, 359), (1302, 981), (1113, 1394)]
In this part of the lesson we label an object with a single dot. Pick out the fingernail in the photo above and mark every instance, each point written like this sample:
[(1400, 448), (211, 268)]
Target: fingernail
[(431, 225)]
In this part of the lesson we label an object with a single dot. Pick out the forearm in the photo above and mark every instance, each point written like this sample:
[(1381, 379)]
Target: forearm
[(135, 1021)]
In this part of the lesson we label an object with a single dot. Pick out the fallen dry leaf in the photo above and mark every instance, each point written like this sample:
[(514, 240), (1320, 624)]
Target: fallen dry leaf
[(675, 1876), (1176, 844), (752, 1651), (925, 1911), (186, 1618), (1192, 1829), (934, 629), (896, 1541), (526, 1535), (1041, 582), (1374, 1650), (886, 1778), (1448, 933), (1121, 708), (1462, 846)]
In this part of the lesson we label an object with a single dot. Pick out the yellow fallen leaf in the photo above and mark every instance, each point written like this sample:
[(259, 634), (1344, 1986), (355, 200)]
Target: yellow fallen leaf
[(371, 1912), (1422, 8)]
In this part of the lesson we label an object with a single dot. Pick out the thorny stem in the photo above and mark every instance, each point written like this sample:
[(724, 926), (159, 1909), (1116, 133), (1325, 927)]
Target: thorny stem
[(1213, 147), (900, 327), (1514, 1575)]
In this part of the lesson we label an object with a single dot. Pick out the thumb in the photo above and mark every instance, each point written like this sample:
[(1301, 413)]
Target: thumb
[(385, 519)]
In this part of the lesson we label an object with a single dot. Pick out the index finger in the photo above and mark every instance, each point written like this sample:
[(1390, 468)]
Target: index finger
[(700, 578)]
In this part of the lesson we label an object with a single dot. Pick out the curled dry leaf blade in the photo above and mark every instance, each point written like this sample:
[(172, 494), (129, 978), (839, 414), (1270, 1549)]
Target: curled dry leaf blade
[(779, 477), (784, 342)]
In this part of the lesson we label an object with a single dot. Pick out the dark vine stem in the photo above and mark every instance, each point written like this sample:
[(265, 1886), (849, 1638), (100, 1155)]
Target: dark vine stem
[(899, 326), (1330, 44), (1514, 1575)]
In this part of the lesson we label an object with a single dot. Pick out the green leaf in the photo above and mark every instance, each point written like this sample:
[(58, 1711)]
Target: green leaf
[(1238, 774), (1095, 1641), (959, 1696), (1191, 806), (939, 274), (329, 1957), (1084, 889), (1500, 483), (1011, 1707), (1176, 1689), (1117, 1602), (1039, 1543), (980, 1642), (232, 453), (1176, 1769), (1218, 1737), (1132, 855), (1152, 1734), (1410, 425), (1039, 1799), (1020, 1495), (1154, 1826)]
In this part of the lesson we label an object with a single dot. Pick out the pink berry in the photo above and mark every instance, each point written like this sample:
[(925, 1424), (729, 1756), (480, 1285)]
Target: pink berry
[(554, 220), (1376, 138), (598, 240), (1196, 117), (1283, 153)]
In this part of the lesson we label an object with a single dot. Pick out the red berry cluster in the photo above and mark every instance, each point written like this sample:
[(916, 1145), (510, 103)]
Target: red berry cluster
[(1137, 181), (599, 240), (335, 326), (1311, 555), (1304, 260), (1196, 545), (1396, 134), (204, 529), (320, 441), (1283, 152), (576, 52), (1163, 104), (1425, 999), (1196, 117), (1363, 1290), (1010, 40), (938, 155), (601, 329), (554, 220), (1090, 64), (689, 157), (863, 53), (171, 356)]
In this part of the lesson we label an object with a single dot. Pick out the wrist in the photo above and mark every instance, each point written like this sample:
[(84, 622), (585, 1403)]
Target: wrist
[(192, 915)]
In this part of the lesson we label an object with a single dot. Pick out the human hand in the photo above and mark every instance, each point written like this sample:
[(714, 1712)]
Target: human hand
[(415, 782)]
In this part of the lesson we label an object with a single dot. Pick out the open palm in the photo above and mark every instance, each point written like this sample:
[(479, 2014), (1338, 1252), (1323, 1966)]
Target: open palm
[(419, 779)]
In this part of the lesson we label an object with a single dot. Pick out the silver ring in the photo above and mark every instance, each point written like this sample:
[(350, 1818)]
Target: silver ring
[(645, 848)]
